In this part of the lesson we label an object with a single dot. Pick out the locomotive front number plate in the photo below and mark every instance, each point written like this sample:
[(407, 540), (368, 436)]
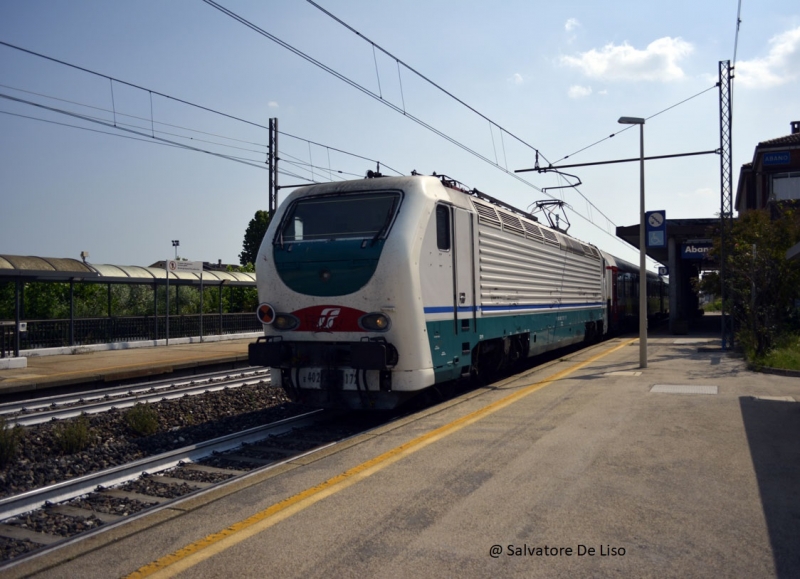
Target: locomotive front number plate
[(320, 377)]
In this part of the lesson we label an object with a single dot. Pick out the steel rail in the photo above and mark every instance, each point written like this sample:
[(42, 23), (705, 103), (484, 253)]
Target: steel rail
[(128, 390), (121, 403), (70, 489)]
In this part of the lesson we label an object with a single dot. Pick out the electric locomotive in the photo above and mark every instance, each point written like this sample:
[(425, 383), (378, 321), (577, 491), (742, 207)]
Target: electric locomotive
[(373, 290)]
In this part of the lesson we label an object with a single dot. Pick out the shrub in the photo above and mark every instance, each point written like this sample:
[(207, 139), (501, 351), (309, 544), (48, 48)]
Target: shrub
[(9, 441), (142, 419), (73, 436)]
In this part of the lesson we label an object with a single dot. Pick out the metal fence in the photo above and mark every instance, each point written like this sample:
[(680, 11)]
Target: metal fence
[(7, 339), (86, 331)]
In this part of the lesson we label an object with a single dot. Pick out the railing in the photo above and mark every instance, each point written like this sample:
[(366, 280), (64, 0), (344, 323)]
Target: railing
[(86, 331), (7, 339)]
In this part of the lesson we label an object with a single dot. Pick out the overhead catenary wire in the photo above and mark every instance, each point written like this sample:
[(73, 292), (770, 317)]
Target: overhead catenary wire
[(51, 97), (233, 117), (627, 127), (357, 86), (145, 138), (403, 110), (420, 75), (372, 94), (736, 37), (400, 110), (176, 99)]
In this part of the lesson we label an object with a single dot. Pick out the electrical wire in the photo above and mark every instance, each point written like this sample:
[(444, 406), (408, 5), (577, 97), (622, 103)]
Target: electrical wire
[(631, 126), (176, 99), (736, 38), (422, 76), (110, 125), (340, 151), (147, 139), (115, 113), (400, 110)]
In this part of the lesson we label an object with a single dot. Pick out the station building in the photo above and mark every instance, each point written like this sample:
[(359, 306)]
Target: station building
[(771, 178)]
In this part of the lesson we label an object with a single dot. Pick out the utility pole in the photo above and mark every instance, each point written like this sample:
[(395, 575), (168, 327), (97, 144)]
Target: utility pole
[(273, 166), (726, 188)]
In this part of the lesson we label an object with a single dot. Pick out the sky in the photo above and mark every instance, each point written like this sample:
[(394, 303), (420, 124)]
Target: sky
[(99, 170)]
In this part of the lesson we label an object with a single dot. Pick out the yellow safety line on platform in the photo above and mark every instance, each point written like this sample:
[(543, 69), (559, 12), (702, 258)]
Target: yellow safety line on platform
[(192, 554)]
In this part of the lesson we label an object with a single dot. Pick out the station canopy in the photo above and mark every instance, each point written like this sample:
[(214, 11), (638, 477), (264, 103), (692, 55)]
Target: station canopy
[(59, 269)]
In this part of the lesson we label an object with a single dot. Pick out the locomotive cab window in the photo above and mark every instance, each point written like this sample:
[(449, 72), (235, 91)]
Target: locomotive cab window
[(443, 227), (357, 216)]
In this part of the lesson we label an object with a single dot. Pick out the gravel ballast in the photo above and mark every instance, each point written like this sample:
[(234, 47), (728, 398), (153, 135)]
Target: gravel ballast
[(40, 459)]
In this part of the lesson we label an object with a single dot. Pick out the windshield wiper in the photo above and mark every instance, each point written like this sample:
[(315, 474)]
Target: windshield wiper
[(386, 222)]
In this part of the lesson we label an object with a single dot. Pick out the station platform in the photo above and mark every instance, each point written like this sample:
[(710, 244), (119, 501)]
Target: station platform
[(586, 466), (97, 368)]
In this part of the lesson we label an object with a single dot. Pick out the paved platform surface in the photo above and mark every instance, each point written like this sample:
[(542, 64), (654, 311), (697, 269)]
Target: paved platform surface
[(117, 365), (520, 479)]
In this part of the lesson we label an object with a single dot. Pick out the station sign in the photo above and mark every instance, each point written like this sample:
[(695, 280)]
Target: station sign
[(777, 158), (696, 249), (655, 228), (185, 266)]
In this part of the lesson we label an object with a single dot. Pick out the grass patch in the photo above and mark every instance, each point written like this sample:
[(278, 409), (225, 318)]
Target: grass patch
[(786, 356), (715, 306)]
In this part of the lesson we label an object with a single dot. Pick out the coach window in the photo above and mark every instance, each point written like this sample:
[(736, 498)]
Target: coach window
[(443, 227)]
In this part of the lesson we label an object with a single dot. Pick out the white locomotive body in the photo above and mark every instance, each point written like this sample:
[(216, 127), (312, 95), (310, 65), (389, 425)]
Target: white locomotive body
[(374, 290)]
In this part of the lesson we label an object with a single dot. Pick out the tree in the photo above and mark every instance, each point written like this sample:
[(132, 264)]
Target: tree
[(253, 237), (762, 284)]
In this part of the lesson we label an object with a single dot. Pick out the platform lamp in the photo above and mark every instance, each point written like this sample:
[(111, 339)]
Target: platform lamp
[(175, 244), (642, 250)]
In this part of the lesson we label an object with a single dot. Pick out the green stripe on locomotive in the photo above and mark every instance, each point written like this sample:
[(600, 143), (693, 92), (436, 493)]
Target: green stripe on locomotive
[(451, 345)]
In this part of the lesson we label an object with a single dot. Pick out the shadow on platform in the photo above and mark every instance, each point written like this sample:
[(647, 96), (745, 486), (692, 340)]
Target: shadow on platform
[(773, 434)]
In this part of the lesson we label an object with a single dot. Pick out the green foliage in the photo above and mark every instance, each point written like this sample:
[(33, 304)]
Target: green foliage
[(73, 436), (253, 237), (243, 299), (785, 355), (51, 301), (9, 441), (762, 284), (142, 419), (6, 300)]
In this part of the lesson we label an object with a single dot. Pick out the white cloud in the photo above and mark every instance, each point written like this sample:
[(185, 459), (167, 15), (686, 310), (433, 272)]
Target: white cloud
[(603, 92), (571, 24), (272, 105), (781, 65), (658, 62), (516, 79), (579, 92)]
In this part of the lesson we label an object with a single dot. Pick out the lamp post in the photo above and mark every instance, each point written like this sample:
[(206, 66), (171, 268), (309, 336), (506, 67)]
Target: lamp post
[(175, 244), (642, 250)]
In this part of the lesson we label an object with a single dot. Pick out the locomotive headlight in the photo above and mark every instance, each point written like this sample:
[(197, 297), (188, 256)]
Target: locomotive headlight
[(265, 313), (285, 322), (374, 322)]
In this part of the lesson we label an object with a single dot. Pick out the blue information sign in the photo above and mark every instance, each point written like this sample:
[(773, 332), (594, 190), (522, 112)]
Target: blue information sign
[(695, 250), (777, 158), (656, 228)]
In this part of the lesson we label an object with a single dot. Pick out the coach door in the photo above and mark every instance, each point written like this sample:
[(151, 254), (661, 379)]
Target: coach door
[(463, 272)]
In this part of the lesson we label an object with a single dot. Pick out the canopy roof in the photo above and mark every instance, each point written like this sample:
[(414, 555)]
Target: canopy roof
[(34, 268)]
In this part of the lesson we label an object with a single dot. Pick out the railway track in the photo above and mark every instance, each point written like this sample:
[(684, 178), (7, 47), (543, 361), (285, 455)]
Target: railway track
[(55, 515), (40, 410), (36, 520)]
